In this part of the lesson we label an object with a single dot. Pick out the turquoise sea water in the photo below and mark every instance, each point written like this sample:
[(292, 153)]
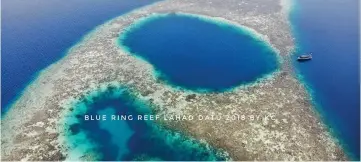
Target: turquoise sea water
[(128, 139), (200, 55), (330, 29)]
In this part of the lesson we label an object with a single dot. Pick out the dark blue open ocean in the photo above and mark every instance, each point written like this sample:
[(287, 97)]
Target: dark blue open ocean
[(330, 29), (36, 33)]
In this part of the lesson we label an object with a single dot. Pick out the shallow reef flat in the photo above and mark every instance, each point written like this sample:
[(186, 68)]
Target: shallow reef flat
[(288, 127)]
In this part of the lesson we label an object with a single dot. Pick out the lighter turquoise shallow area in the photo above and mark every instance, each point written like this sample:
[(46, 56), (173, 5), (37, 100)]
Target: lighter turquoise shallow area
[(199, 53), (127, 139)]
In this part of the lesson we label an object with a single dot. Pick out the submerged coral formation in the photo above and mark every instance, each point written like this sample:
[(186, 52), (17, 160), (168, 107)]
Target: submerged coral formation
[(276, 118)]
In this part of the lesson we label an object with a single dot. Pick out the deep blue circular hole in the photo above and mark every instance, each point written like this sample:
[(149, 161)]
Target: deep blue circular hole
[(194, 54)]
